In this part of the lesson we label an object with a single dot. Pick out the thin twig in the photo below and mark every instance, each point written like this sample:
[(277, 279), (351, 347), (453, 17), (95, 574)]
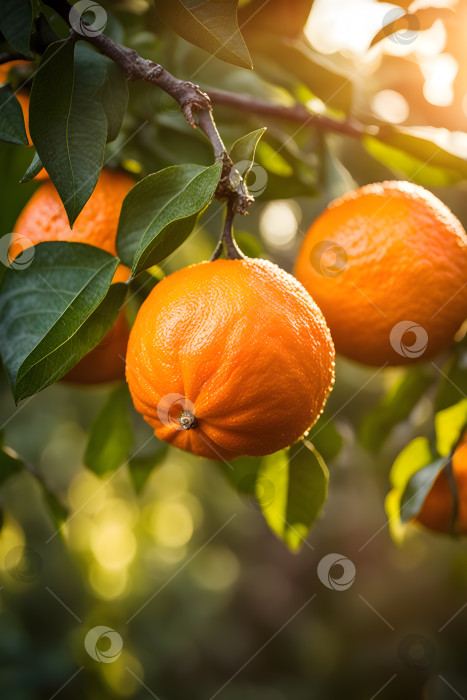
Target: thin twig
[(297, 113), (232, 251)]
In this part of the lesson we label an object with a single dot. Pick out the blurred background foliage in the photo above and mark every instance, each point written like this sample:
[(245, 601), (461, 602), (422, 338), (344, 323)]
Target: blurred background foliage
[(162, 549)]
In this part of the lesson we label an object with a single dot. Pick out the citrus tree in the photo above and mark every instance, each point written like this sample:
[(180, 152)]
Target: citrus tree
[(152, 142)]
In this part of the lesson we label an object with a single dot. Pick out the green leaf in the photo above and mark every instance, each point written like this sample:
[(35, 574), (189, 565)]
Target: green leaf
[(453, 380), (78, 100), (159, 213), (417, 152), (242, 474), (299, 64), (57, 511), (11, 463), (212, 25), (450, 424), (12, 127), (326, 438), (417, 489), (15, 23), (244, 149), (33, 170), (54, 312), (111, 435), (291, 488), (140, 468), (394, 408), (417, 454)]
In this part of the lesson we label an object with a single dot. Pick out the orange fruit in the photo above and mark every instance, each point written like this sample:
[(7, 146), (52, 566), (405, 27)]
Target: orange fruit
[(5, 68), (23, 99), (437, 510), (387, 265), (230, 358), (44, 219)]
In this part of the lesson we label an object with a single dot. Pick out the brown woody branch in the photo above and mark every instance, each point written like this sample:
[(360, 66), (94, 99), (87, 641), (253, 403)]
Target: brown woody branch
[(195, 103), (297, 113), (190, 98)]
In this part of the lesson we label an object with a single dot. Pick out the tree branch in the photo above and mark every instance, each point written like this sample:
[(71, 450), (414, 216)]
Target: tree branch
[(298, 113), (189, 97)]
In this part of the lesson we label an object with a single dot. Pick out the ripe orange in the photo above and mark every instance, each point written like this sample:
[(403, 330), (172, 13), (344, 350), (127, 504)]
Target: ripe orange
[(44, 219), (230, 358), (23, 99), (5, 68), (437, 509), (387, 264)]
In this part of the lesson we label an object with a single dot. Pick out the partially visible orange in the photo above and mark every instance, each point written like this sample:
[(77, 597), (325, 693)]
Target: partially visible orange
[(230, 358), (44, 219), (437, 510), (5, 68), (23, 99), (387, 265)]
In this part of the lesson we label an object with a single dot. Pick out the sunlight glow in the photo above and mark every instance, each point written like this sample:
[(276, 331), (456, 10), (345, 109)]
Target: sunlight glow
[(439, 73), (390, 106), (279, 222)]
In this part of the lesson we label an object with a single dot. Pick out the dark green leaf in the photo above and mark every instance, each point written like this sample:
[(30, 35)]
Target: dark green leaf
[(417, 489), (160, 211), (453, 380), (325, 438), (78, 100), (16, 22), (140, 468), (33, 170), (242, 474), (54, 312), (394, 408), (212, 25), (10, 463), (244, 149), (292, 487), (12, 127), (111, 436)]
